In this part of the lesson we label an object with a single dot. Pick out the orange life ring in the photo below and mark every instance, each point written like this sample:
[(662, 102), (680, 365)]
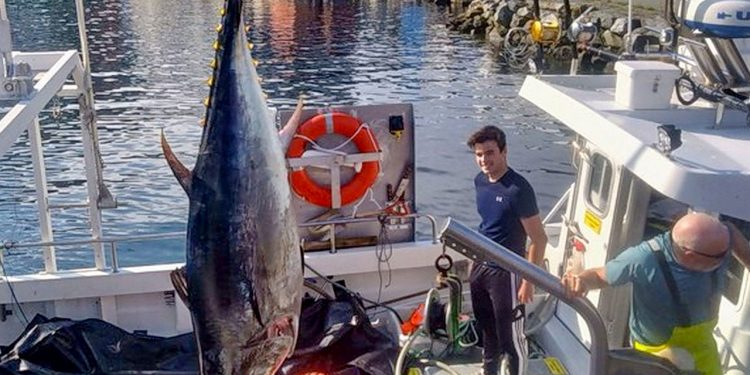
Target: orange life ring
[(346, 126)]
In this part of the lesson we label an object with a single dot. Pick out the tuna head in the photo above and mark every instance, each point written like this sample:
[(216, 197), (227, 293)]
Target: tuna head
[(243, 270)]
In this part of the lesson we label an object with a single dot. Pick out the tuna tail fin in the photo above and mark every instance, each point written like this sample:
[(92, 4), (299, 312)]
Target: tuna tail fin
[(287, 132), (180, 171)]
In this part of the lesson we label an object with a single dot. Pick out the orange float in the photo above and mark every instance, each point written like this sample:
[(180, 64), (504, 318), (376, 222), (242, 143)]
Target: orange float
[(349, 127)]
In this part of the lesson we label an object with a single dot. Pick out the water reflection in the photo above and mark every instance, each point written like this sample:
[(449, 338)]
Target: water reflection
[(150, 62)]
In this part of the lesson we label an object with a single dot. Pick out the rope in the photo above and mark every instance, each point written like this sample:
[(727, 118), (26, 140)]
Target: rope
[(369, 194), (518, 49), (467, 334), (7, 245), (383, 252), (351, 292), (334, 150), (16, 304)]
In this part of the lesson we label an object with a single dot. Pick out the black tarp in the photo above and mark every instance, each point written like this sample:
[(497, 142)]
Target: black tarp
[(335, 338)]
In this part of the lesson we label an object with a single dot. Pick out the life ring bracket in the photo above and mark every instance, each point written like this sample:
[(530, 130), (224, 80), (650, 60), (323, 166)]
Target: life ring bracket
[(366, 161), (333, 160)]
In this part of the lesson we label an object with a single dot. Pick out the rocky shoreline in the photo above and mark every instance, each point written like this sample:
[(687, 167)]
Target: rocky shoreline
[(507, 26)]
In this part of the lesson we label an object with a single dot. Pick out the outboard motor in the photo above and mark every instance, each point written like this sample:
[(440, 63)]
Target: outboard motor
[(717, 18), (715, 23)]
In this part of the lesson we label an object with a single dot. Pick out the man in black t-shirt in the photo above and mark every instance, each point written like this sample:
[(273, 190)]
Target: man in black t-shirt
[(507, 206)]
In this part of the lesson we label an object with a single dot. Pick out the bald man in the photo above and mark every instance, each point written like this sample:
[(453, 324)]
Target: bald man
[(677, 280)]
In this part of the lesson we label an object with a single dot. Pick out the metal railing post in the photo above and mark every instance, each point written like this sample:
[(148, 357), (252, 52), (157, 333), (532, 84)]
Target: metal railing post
[(42, 195), (115, 262), (90, 162), (556, 208)]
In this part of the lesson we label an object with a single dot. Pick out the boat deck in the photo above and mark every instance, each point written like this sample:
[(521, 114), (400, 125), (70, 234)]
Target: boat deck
[(468, 361)]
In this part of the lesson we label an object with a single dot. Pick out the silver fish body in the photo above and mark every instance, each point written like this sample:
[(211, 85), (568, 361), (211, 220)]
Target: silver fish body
[(243, 269)]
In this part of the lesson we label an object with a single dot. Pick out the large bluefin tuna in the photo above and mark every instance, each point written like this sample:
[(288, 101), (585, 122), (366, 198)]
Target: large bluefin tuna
[(243, 275)]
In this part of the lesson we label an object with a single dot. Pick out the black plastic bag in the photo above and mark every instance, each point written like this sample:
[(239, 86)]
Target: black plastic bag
[(335, 338)]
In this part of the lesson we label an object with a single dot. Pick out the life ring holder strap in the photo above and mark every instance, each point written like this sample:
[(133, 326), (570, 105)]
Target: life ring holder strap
[(337, 195)]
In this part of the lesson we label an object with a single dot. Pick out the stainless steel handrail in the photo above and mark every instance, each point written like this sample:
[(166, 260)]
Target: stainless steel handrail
[(154, 236), (478, 247), (111, 241)]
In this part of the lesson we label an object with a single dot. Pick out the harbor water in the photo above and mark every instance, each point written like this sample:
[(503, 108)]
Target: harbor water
[(150, 61)]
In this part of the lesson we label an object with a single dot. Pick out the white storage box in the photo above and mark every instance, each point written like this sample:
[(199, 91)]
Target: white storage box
[(645, 84)]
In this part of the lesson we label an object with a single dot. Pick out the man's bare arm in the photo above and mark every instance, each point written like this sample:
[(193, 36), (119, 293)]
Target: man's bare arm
[(534, 228), (578, 285)]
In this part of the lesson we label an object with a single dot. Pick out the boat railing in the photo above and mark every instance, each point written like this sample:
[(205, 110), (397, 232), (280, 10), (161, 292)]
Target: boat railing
[(111, 242), (557, 208), (478, 247), (32, 80), (369, 219)]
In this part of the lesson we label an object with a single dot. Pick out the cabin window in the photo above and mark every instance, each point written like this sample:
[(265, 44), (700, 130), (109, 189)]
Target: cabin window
[(734, 280), (600, 182)]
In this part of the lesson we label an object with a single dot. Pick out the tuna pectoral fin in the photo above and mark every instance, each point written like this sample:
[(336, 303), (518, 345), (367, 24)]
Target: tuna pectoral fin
[(287, 132), (183, 174), (179, 281)]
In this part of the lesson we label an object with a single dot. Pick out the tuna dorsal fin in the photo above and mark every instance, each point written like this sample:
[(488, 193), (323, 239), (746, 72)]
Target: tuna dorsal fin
[(287, 132), (180, 171)]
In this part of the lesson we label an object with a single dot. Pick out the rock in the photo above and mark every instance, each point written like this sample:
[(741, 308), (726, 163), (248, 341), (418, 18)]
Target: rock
[(487, 15), (490, 6), (454, 22), (465, 27), (576, 11), (495, 37), (612, 40), (605, 18), (560, 9), (620, 26), (504, 15), (522, 16), (492, 19), (479, 23), (475, 8), (523, 12)]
